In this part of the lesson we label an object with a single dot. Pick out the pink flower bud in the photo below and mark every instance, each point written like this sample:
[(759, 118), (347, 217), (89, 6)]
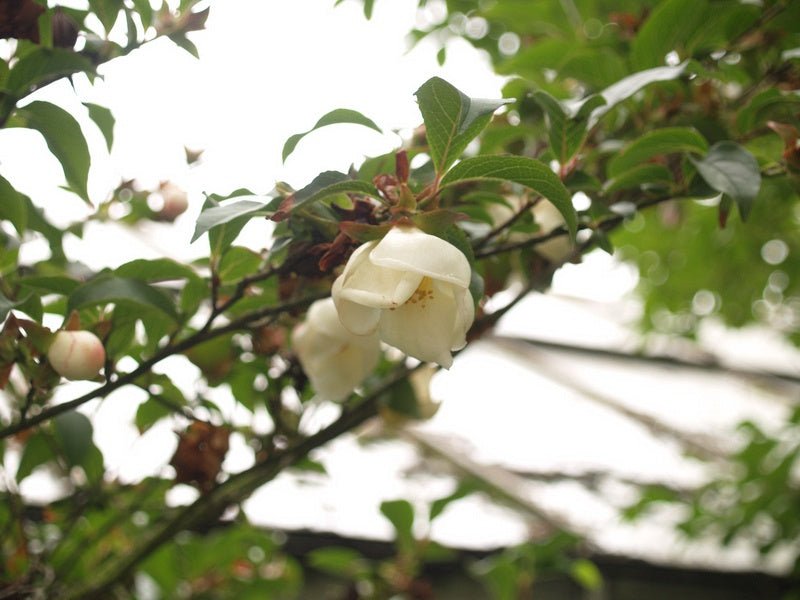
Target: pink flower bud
[(76, 354), (175, 202)]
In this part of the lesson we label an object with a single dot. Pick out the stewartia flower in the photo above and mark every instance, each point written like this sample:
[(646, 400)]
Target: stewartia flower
[(335, 360), (76, 354), (411, 287)]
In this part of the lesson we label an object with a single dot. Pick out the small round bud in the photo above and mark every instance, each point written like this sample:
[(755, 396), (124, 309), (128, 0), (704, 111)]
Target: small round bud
[(175, 202), (76, 354)]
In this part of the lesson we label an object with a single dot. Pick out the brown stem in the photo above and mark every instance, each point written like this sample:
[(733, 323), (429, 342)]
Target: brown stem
[(191, 341), (234, 490)]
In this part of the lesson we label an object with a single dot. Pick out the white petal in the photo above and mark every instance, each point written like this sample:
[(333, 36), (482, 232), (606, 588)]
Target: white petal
[(323, 317), (334, 379), (409, 249), (335, 364), (374, 286), (311, 345), (465, 315), (356, 318), (423, 326)]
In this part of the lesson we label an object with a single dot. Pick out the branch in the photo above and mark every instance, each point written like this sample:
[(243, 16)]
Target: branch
[(659, 359), (234, 490), (606, 225), (145, 366)]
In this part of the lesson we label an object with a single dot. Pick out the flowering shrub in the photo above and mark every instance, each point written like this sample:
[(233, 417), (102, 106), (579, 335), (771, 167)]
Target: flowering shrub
[(408, 256)]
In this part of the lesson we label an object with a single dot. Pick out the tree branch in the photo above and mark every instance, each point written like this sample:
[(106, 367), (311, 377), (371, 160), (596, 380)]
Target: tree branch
[(234, 490), (144, 366)]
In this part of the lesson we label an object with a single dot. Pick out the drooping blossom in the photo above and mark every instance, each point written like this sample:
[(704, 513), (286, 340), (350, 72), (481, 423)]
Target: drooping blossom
[(413, 289), (335, 360)]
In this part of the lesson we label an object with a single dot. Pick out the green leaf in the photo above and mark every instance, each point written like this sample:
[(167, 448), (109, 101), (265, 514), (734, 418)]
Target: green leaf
[(668, 28), (464, 489), (50, 284), (145, 11), (64, 139), (334, 117), (771, 103), (181, 41), (331, 183), (237, 263), (566, 132), (36, 452), (160, 269), (12, 206), (73, 432), (339, 562), (401, 515), (107, 11), (105, 289), (586, 574), (402, 400), (528, 172), (104, 120), (452, 120), (6, 306), (149, 412), (31, 305), (368, 6), (647, 173), (500, 575), (215, 216), (656, 143), (625, 88), (43, 65), (731, 170)]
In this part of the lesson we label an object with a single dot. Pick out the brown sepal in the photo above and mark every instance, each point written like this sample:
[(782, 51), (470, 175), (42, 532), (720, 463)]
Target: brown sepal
[(284, 209), (20, 19), (200, 453), (401, 166)]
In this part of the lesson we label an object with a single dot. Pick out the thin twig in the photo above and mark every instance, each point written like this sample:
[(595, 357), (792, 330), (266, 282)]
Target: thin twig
[(234, 490), (196, 338)]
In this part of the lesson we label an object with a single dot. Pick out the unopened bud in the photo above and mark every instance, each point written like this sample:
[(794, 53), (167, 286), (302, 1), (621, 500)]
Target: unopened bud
[(76, 354), (175, 201), (65, 29)]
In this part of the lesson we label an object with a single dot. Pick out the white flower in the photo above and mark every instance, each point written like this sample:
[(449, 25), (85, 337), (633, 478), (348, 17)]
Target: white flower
[(411, 287), (335, 360), (548, 217), (76, 354)]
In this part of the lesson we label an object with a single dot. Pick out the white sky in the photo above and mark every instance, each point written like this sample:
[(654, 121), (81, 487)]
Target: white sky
[(269, 69)]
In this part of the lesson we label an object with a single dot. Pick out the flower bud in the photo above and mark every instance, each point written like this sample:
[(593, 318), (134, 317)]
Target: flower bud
[(76, 354), (175, 202)]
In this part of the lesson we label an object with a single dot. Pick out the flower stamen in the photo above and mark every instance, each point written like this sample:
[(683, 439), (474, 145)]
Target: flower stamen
[(423, 293)]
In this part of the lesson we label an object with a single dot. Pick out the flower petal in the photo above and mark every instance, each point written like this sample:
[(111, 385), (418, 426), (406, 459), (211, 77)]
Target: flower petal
[(335, 360), (335, 379), (464, 316), (356, 318), (409, 249), (374, 286), (323, 317), (423, 326)]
